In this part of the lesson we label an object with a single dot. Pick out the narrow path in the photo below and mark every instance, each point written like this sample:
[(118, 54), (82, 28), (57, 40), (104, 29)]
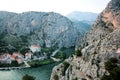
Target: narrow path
[(27, 65), (57, 60), (54, 53)]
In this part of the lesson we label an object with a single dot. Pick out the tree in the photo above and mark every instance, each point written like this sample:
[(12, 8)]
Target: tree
[(113, 68), (64, 68), (56, 77), (28, 77), (14, 64), (78, 53)]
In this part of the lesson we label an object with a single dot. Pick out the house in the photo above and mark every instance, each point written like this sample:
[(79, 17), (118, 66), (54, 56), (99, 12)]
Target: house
[(28, 56), (17, 56), (35, 48), (5, 58), (12, 57)]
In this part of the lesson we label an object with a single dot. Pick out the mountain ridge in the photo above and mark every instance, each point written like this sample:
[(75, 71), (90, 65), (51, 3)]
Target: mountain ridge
[(98, 46), (42, 28), (89, 17)]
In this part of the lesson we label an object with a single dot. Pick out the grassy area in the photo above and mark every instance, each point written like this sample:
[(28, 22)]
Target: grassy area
[(48, 51), (37, 63), (60, 55)]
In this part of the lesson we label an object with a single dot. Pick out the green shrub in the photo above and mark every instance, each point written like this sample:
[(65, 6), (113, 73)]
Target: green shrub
[(113, 69), (28, 77), (78, 53), (60, 55), (14, 64), (106, 77), (109, 65), (113, 60), (75, 78), (83, 79), (64, 68), (56, 77)]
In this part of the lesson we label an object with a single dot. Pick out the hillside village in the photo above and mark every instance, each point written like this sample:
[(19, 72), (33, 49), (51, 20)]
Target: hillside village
[(20, 58), (32, 56)]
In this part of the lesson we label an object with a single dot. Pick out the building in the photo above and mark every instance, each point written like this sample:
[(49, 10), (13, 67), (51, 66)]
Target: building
[(28, 56), (17, 56), (35, 48), (5, 58)]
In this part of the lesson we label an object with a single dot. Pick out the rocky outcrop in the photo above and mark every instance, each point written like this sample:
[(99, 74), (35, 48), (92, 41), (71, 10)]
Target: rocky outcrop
[(100, 44), (47, 29)]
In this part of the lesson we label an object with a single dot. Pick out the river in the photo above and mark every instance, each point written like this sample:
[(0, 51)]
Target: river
[(41, 73)]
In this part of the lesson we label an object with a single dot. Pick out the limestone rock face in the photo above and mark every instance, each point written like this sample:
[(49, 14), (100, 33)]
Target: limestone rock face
[(48, 29), (100, 44)]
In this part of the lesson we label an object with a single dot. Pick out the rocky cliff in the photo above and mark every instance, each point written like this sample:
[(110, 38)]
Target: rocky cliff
[(97, 47), (47, 29)]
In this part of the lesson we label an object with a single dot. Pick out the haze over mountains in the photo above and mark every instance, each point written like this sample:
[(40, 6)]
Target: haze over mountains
[(87, 17)]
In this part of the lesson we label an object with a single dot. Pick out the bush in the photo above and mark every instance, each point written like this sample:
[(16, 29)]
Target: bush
[(64, 68), (109, 65), (24, 50), (28, 77), (78, 53), (60, 55), (105, 77), (113, 69), (75, 78), (113, 60), (56, 77), (14, 64)]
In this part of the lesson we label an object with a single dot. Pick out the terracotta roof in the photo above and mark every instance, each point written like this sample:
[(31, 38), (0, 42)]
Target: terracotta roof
[(37, 46)]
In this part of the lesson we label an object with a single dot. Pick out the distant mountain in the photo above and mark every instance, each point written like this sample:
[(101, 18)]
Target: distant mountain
[(88, 17), (82, 20), (82, 27), (46, 29)]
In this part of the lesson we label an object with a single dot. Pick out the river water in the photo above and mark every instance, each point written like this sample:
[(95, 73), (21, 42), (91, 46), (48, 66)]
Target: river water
[(40, 73)]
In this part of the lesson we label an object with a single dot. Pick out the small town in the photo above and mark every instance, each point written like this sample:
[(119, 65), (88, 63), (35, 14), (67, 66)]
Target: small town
[(7, 58), (31, 58)]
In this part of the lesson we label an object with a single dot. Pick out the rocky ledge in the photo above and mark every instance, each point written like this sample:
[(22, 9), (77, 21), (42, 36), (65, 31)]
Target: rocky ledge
[(96, 48)]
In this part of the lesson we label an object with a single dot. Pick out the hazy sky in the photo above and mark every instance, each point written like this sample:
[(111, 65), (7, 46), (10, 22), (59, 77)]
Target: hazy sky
[(60, 6)]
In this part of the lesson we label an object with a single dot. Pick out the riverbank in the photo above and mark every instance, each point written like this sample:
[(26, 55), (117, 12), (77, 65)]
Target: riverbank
[(40, 73), (37, 63), (13, 68)]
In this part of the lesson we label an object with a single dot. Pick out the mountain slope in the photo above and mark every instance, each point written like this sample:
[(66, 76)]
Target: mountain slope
[(96, 48), (82, 27), (47, 29)]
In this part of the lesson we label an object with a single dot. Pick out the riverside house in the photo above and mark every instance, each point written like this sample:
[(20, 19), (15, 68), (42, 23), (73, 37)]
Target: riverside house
[(8, 58), (5, 58)]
